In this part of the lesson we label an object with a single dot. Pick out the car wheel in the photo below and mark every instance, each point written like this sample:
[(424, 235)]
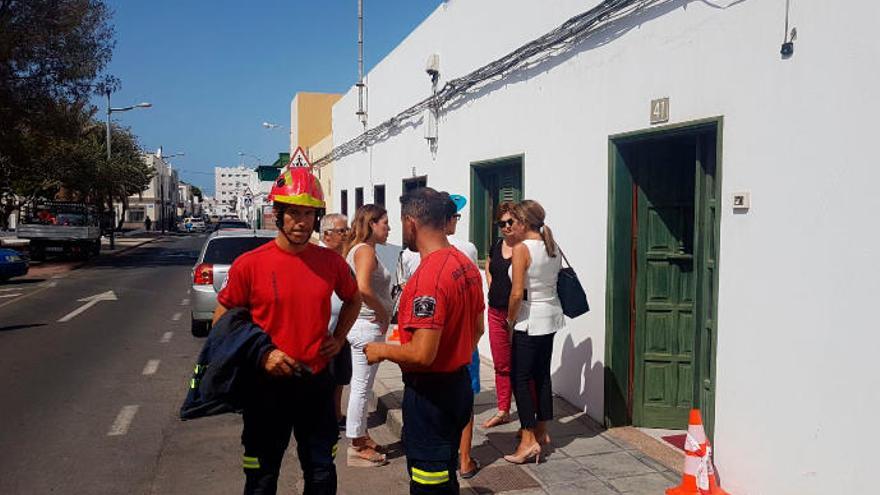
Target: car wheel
[(200, 328)]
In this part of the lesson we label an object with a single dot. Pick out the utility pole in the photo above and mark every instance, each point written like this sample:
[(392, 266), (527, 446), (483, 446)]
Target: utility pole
[(112, 206)]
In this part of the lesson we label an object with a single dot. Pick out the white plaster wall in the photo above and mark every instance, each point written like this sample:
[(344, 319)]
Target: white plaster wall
[(797, 387)]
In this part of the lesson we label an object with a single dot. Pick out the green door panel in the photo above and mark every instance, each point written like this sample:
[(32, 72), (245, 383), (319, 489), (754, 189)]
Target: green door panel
[(491, 184), (706, 195), (665, 298)]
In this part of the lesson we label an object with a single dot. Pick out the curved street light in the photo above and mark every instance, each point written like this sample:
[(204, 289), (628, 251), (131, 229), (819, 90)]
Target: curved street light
[(111, 110)]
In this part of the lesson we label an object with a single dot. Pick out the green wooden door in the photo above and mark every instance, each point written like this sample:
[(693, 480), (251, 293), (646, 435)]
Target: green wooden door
[(665, 289), (706, 251)]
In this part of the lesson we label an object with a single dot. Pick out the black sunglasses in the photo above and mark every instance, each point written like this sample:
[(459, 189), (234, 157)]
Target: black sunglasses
[(505, 223)]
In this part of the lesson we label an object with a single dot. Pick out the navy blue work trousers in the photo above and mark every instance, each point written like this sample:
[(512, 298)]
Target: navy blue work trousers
[(436, 408), (277, 406)]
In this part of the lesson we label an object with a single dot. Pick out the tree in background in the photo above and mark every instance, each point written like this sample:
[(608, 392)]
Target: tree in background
[(197, 192), (51, 54)]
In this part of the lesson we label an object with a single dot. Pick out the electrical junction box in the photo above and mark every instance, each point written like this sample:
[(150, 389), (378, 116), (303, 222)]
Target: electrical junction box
[(742, 201)]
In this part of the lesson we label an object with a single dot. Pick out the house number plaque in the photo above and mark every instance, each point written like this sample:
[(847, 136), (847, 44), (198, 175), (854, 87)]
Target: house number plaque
[(660, 111)]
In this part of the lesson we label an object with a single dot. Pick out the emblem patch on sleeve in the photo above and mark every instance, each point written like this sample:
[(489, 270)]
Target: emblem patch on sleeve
[(424, 306)]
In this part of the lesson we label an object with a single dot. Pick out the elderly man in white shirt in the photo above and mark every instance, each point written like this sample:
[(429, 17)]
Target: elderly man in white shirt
[(334, 234)]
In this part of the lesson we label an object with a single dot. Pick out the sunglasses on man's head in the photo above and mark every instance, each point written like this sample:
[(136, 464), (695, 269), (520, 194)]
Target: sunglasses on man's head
[(505, 223)]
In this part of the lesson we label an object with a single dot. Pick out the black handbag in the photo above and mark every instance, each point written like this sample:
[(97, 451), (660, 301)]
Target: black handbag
[(571, 293)]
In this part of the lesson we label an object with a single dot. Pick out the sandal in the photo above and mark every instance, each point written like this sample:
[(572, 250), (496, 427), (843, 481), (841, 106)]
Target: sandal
[(375, 446), (497, 420), (473, 472), (356, 457)]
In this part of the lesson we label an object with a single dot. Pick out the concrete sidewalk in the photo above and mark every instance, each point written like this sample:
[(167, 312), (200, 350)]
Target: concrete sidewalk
[(583, 457)]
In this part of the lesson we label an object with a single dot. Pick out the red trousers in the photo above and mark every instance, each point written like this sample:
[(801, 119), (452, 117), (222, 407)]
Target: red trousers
[(499, 341)]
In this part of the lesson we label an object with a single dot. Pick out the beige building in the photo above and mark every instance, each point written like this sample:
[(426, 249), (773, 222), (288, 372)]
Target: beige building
[(311, 127)]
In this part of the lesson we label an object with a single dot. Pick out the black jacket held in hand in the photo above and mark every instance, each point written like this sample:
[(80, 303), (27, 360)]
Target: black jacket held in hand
[(227, 366)]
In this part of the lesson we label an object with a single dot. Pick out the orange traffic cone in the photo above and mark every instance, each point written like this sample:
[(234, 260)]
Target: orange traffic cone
[(694, 449), (713, 489)]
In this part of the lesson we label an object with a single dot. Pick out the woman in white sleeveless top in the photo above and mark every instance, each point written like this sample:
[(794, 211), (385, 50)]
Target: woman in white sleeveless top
[(535, 314), (370, 227)]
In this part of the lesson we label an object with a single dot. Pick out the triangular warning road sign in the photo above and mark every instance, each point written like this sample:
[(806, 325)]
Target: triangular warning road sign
[(299, 158)]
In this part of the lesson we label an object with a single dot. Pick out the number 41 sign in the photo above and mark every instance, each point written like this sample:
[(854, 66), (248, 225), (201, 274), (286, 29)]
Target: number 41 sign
[(660, 111)]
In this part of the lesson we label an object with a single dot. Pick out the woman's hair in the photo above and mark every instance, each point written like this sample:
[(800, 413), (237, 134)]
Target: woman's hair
[(532, 215), (362, 225), (510, 208)]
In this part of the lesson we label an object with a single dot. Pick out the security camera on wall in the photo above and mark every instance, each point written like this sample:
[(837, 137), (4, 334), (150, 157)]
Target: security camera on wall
[(432, 67)]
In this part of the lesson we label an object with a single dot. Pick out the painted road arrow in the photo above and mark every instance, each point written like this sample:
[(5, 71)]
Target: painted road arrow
[(89, 302)]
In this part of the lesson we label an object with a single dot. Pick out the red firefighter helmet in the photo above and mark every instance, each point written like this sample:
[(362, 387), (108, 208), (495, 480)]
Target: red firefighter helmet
[(297, 186)]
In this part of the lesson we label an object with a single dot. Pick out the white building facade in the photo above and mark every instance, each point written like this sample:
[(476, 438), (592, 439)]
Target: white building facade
[(714, 196), (231, 184), (159, 201)]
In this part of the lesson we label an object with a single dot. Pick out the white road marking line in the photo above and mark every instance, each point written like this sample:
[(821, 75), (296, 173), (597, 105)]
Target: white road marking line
[(89, 302), (29, 294), (166, 337), (50, 284), (10, 295), (151, 367), (185, 302), (176, 316), (189, 291), (123, 421), (10, 289)]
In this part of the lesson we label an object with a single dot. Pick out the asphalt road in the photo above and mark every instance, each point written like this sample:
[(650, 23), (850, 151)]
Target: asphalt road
[(89, 405)]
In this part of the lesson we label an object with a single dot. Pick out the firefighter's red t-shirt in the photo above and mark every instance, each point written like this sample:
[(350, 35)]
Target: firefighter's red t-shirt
[(445, 294), (288, 295)]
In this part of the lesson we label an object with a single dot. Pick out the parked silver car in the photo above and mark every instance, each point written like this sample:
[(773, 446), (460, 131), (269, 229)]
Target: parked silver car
[(220, 250)]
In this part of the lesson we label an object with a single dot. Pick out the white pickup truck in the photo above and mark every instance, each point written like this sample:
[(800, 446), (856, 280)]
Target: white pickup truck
[(70, 229)]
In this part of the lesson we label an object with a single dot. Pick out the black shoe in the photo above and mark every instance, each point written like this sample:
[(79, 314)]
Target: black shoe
[(473, 472), (341, 424)]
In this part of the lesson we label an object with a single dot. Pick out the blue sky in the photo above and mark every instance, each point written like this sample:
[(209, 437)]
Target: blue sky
[(215, 70)]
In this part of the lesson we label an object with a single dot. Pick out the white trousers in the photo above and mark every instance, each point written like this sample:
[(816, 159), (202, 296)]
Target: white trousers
[(362, 376)]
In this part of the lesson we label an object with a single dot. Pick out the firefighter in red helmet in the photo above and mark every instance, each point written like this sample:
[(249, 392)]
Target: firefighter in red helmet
[(286, 285)]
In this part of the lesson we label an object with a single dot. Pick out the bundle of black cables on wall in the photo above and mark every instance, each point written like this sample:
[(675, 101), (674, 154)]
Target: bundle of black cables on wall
[(567, 35)]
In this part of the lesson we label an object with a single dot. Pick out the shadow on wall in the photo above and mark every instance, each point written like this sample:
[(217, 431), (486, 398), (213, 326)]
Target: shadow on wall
[(387, 254), (578, 375)]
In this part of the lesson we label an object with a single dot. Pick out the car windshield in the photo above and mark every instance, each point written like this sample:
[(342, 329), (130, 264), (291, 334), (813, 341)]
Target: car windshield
[(224, 250)]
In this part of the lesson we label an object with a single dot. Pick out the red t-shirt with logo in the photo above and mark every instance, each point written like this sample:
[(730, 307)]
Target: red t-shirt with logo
[(288, 295), (445, 294)]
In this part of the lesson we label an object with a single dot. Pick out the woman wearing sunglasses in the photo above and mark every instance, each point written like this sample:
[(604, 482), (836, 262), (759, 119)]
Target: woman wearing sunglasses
[(535, 314), (498, 266)]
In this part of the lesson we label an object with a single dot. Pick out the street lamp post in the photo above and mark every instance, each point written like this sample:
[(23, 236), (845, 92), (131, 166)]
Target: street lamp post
[(242, 154), (110, 110), (271, 126)]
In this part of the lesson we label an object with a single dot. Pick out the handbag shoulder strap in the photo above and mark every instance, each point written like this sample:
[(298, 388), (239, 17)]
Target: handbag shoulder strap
[(564, 258)]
